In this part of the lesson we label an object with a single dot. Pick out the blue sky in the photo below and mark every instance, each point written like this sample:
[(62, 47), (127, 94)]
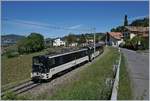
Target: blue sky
[(75, 16)]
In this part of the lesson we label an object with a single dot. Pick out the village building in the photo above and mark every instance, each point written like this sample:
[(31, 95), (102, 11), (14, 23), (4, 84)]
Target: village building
[(59, 42), (114, 38), (74, 44), (132, 31), (90, 40)]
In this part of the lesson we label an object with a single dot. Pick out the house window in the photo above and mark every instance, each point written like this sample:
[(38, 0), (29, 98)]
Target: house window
[(126, 35)]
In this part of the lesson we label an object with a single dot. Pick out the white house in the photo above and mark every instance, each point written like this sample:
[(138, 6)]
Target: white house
[(114, 38), (73, 44), (59, 42)]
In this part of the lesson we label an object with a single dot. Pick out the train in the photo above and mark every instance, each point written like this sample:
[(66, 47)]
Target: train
[(45, 66)]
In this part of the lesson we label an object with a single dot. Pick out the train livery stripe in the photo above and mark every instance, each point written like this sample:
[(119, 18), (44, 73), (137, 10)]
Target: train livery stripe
[(67, 65)]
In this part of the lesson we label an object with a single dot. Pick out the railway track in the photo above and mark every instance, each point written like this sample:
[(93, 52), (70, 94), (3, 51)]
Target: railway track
[(18, 89)]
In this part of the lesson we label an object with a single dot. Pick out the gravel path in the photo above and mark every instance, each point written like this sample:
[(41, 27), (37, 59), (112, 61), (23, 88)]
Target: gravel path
[(138, 68), (53, 85)]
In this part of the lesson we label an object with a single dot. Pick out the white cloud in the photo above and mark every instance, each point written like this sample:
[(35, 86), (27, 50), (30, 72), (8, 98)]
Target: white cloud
[(75, 26), (30, 24), (41, 25)]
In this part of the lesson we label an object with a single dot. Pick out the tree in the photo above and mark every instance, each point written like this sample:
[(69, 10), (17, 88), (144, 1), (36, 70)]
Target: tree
[(140, 22), (33, 43), (119, 29), (125, 21), (113, 30), (36, 41), (71, 38), (82, 39)]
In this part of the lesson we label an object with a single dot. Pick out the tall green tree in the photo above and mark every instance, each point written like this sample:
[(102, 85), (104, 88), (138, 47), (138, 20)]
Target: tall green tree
[(33, 43), (125, 21)]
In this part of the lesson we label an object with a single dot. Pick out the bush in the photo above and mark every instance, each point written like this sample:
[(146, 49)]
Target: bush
[(128, 44), (145, 43), (134, 43), (121, 45), (11, 53)]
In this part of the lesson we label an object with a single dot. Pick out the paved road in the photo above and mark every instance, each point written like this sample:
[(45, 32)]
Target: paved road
[(138, 68)]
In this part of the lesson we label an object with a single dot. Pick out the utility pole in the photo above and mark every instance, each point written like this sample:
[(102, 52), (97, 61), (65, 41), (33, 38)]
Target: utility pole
[(106, 39), (94, 30)]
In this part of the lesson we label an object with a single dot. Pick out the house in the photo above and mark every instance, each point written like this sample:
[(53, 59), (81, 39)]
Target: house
[(114, 38), (132, 31), (73, 44), (59, 42), (91, 40)]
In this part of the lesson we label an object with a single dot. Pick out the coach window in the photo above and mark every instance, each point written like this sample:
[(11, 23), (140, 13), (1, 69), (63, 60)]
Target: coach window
[(67, 58), (51, 62)]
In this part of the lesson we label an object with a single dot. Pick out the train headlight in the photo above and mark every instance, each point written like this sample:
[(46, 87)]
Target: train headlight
[(34, 74), (42, 75)]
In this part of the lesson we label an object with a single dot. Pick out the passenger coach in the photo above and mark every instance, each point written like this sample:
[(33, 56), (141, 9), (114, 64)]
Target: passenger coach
[(45, 66)]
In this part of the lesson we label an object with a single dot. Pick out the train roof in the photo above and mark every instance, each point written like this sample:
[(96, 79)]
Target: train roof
[(52, 56), (68, 51), (96, 45), (62, 53)]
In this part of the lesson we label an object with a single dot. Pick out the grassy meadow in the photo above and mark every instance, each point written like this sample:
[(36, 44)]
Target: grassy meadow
[(16, 69)]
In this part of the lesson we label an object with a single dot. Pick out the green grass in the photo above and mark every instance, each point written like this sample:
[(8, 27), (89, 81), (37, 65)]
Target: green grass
[(16, 69), (124, 92), (91, 82)]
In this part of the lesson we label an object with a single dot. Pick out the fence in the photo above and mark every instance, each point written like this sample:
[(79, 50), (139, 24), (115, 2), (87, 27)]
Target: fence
[(116, 81)]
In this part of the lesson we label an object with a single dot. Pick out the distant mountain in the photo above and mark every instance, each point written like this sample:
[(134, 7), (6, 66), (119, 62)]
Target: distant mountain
[(10, 39)]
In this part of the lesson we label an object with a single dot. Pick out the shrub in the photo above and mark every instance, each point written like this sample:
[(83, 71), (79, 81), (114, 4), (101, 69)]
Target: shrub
[(145, 43), (134, 43), (11, 53)]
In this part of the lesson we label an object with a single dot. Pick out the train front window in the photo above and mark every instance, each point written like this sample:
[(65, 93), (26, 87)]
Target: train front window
[(37, 61), (38, 65)]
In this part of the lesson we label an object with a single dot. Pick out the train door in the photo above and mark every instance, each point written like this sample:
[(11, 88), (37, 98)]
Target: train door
[(89, 54)]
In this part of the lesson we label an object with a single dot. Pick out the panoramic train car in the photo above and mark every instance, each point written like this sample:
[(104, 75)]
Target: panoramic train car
[(44, 67)]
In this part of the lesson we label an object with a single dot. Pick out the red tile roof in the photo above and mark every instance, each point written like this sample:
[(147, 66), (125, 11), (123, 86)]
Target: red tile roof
[(116, 35)]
